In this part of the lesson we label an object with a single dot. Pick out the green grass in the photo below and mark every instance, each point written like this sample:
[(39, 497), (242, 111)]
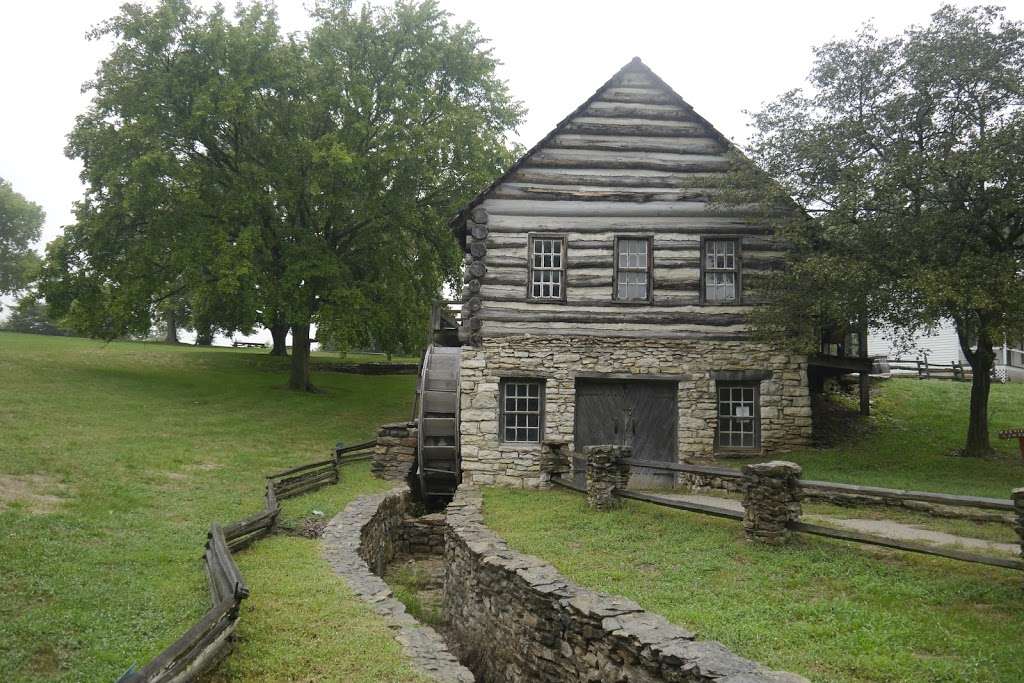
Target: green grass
[(916, 427), (146, 445), (824, 609)]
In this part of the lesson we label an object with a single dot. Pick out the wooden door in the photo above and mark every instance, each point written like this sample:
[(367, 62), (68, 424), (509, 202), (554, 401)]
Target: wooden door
[(639, 413)]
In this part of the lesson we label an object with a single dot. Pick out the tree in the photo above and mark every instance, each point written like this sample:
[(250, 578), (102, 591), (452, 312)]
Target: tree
[(31, 316), (21, 222), (908, 153), (303, 171)]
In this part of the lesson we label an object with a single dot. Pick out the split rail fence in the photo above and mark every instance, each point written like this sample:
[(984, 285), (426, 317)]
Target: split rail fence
[(210, 639), (818, 530), (925, 370)]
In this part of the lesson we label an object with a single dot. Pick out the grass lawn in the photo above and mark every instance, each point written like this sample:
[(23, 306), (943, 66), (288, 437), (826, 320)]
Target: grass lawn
[(114, 458), (828, 610), (916, 426)]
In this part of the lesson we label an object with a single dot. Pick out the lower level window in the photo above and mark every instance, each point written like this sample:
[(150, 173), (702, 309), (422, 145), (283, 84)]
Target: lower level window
[(738, 416), (522, 407)]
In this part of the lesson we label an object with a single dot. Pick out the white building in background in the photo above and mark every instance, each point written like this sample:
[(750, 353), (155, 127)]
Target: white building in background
[(942, 347)]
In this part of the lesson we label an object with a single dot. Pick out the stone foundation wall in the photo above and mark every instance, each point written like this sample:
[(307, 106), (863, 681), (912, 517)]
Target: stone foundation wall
[(785, 404), (423, 535), (395, 453), (518, 620), (357, 544)]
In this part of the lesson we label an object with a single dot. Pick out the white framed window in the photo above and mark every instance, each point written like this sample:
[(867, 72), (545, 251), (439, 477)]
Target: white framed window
[(522, 410), (547, 267), (632, 268), (720, 271), (739, 419)]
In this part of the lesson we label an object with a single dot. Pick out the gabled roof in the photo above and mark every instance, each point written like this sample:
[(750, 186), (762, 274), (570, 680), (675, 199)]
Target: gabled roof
[(457, 223)]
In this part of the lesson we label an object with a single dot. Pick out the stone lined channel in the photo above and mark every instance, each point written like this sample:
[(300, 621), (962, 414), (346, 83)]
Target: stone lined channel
[(508, 617)]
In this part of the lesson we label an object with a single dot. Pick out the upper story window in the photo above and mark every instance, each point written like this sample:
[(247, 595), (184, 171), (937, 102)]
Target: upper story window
[(632, 268), (547, 267), (720, 271), (522, 409)]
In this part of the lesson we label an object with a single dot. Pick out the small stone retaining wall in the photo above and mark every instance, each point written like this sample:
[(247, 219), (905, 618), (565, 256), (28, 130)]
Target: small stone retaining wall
[(517, 620), (369, 533)]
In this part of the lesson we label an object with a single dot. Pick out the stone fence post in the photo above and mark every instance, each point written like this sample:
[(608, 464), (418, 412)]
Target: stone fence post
[(554, 460), (1018, 504), (606, 472), (395, 453), (771, 499)]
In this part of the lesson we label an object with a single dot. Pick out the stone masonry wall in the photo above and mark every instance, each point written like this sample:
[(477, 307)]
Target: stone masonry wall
[(785, 399), (517, 620), (395, 452)]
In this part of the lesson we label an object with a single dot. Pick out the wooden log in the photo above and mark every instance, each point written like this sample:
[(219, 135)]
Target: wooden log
[(856, 536), (156, 668), (605, 177), (300, 468), (1005, 505), (634, 110), (616, 135), (220, 587), (705, 224), (606, 209), (595, 317), (651, 161), (307, 485), (705, 470), (219, 546), (479, 215), (476, 269), (712, 510), (498, 329), (478, 249), (640, 128), (585, 194), (636, 95), (249, 524), (211, 649), (357, 447), (478, 231)]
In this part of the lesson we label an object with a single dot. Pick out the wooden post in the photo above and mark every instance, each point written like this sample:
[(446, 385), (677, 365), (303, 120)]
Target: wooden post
[(1018, 503), (865, 393)]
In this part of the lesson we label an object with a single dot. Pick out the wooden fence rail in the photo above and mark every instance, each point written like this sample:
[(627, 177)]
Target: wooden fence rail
[(841, 534), (209, 640)]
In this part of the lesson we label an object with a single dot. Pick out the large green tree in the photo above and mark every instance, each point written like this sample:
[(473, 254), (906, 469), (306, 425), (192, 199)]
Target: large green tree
[(21, 222), (300, 175), (908, 153)]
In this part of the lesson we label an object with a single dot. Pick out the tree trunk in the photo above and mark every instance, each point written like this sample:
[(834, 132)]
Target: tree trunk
[(204, 335), (299, 377), (171, 336), (978, 443), (280, 334), (982, 360)]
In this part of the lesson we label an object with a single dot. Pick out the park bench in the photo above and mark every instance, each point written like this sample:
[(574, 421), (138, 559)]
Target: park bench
[(248, 345), (1014, 434)]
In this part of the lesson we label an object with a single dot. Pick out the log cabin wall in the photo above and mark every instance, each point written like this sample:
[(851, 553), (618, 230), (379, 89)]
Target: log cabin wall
[(634, 161)]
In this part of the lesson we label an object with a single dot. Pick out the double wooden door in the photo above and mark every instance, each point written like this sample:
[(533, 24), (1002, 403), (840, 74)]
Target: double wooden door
[(639, 413)]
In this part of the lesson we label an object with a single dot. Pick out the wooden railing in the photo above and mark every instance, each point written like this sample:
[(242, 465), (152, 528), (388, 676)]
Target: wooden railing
[(209, 640), (891, 494)]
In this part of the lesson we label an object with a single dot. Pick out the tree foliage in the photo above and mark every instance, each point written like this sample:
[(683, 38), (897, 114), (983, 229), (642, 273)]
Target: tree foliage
[(21, 222), (908, 153), (30, 315), (304, 178)]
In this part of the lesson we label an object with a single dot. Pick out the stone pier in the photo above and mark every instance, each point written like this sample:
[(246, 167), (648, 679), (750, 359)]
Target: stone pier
[(606, 472), (771, 499), (394, 456)]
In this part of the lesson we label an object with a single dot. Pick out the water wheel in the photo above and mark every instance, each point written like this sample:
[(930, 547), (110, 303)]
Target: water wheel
[(438, 463)]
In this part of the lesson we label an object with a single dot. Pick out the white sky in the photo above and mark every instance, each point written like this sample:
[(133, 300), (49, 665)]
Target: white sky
[(723, 57)]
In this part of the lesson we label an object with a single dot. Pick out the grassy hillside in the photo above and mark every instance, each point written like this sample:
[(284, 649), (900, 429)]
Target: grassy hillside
[(911, 439), (114, 459)]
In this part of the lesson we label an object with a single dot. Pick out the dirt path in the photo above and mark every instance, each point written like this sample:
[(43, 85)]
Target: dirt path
[(880, 527)]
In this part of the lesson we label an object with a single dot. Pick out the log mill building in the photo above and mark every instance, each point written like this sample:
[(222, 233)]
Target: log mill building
[(606, 301)]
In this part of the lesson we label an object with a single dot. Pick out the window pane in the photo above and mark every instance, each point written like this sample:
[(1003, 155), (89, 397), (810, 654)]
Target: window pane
[(546, 282), (522, 411), (737, 416)]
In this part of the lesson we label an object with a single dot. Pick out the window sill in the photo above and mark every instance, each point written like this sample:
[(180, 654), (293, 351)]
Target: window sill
[(520, 446), (737, 453)]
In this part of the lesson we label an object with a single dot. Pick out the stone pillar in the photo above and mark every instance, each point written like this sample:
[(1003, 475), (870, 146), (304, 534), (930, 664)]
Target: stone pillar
[(1018, 504), (771, 499), (606, 472), (395, 453), (554, 461)]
